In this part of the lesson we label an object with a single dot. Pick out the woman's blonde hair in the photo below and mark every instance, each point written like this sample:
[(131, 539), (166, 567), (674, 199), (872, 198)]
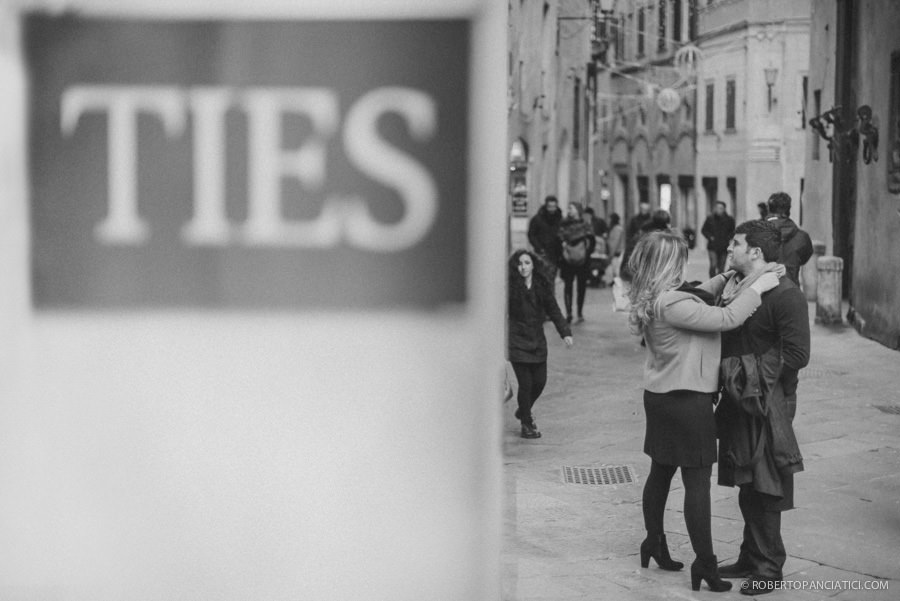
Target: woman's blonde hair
[(657, 265)]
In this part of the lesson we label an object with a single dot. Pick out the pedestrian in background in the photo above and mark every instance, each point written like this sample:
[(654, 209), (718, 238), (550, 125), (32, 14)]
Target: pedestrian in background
[(615, 244), (690, 236), (717, 229), (681, 377), (636, 222), (796, 245), (597, 223), (543, 235), (599, 259), (658, 221), (531, 300), (632, 233), (578, 242)]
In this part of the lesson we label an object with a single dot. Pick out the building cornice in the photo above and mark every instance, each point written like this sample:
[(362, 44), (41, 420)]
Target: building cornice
[(716, 4), (663, 61), (631, 139), (746, 25)]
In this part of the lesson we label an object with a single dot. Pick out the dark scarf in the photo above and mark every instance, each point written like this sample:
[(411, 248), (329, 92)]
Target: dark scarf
[(706, 297)]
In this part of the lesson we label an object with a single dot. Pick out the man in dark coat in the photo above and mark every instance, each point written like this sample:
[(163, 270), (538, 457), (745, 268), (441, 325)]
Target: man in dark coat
[(717, 229), (636, 229), (796, 246), (543, 235), (597, 223), (635, 224), (778, 329)]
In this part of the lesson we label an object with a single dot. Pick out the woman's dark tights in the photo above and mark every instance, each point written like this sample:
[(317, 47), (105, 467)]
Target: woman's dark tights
[(696, 504), (532, 377), (572, 274)]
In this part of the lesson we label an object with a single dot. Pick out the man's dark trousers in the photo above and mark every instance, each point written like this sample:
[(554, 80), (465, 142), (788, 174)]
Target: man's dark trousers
[(717, 259), (762, 550)]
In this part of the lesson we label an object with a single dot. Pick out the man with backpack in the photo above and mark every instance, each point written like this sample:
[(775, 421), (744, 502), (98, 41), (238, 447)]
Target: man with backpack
[(796, 245)]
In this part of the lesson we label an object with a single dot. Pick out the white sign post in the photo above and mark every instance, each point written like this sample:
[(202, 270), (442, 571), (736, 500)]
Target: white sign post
[(227, 393)]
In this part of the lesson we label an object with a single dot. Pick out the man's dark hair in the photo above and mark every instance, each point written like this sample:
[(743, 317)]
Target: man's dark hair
[(719, 202), (763, 235), (659, 220), (551, 198), (780, 204), (589, 210)]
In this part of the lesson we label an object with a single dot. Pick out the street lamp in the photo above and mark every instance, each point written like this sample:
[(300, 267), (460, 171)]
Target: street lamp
[(607, 6), (601, 39), (771, 75)]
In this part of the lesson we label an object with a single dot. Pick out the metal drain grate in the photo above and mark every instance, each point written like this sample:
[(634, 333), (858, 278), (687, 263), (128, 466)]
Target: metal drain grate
[(894, 409), (598, 476)]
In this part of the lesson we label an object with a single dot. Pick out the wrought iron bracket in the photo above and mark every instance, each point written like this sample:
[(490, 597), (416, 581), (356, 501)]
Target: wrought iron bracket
[(843, 142)]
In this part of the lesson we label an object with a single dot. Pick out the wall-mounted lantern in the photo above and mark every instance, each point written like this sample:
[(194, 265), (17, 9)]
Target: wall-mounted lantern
[(602, 37)]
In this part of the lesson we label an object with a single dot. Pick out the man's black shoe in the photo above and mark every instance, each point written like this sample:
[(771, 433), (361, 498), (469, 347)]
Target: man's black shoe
[(735, 570)]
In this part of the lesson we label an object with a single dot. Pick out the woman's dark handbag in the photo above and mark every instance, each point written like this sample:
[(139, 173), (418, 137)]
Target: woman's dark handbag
[(575, 254)]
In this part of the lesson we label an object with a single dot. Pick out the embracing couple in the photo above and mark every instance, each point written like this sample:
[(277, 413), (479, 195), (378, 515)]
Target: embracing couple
[(749, 324)]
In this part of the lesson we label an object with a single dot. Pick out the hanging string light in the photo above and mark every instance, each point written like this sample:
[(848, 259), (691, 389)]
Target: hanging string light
[(687, 61), (668, 100)]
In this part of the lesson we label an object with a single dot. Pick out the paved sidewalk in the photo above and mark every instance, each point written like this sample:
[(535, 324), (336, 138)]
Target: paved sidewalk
[(569, 541)]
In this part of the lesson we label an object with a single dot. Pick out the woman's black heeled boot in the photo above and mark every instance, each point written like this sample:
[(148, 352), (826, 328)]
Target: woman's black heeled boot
[(529, 428), (708, 570), (655, 546)]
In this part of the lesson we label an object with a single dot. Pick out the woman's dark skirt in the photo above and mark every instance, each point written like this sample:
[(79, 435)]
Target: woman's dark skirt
[(681, 428)]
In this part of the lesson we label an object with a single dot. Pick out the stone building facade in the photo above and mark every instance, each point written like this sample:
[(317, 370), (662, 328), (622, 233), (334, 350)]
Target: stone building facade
[(752, 89), (549, 106), (645, 153), (853, 159)]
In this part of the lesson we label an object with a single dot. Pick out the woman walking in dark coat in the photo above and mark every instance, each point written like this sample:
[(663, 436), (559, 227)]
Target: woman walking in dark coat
[(681, 376), (531, 300)]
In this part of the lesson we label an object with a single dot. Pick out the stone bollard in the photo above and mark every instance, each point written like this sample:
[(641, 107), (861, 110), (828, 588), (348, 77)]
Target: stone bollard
[(809, 272), (828, 290)]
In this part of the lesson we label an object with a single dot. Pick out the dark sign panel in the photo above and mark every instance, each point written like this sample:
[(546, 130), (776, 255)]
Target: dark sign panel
[(248, 164)]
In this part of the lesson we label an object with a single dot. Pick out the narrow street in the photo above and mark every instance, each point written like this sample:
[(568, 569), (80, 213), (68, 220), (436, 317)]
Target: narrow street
[(580, 541)]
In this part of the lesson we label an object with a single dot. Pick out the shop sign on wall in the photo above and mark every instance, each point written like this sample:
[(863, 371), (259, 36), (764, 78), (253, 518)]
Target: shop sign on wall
[(248, 163)]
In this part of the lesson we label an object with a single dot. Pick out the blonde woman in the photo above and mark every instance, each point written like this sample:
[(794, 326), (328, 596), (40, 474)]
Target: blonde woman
[(680, 381)]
